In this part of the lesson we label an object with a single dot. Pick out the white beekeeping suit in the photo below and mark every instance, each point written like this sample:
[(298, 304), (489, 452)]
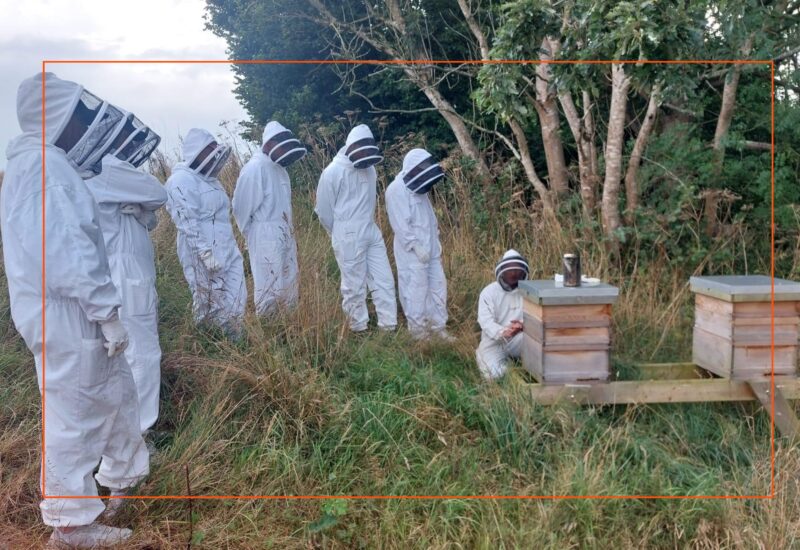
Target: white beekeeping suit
[(346, 198), (90, 411), (207, 249), (417, 251), (500, 316), (127, 200), (262, 206)]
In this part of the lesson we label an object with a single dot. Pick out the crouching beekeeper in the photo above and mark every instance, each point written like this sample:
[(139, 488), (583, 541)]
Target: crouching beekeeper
[(500, 316)]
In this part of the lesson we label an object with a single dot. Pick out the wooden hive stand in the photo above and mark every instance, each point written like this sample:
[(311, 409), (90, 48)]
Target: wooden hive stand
[(734, 365)]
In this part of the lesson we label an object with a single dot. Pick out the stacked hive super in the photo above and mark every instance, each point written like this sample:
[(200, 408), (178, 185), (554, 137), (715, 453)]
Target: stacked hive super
[(733, 325), (567, 333)]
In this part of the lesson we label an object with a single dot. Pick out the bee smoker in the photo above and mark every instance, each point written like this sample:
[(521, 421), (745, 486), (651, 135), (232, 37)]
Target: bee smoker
[(572, 270)]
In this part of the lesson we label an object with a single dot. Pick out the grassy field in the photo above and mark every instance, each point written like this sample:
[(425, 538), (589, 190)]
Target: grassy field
[(303, 408)]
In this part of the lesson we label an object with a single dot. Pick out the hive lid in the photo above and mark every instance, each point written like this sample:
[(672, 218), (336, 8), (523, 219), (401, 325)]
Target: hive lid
[(745, 288), (546, 293)]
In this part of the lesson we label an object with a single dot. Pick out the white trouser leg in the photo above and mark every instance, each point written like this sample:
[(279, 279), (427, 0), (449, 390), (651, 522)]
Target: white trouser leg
[(380, 281), (436, 303), (144, 357), (125, 458), (89, 401), (265, 262), (492, 355), (412, 280), (352, 260), (291, 274)]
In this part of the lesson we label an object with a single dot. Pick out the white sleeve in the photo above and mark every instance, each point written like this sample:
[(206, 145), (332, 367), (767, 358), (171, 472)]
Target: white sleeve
[(326, 198), (184, 210), (399, 210), (75, 246), (247, 197), (487, 318), (118, 184)]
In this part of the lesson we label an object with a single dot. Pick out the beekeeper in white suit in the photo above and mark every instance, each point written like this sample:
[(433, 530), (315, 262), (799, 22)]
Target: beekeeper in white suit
[(127, 200), (417, 251), (500, 316), (346, 198), (262, 206), (90, 413), (207, 249)]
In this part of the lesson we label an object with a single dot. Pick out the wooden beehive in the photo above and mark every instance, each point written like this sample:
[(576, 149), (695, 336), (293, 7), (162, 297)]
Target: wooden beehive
[(733, 325), (567, 333)]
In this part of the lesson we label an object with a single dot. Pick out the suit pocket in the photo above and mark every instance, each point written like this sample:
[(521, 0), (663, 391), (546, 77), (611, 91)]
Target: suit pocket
[(345, 246), (139, 296), (95, 367)]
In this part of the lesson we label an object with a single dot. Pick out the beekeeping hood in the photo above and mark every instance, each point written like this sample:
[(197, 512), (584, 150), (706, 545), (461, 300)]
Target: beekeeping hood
[(361, 148), (76, 121), (280, 145), (134, 142), (202, 154), (511, 260), (421, 171)]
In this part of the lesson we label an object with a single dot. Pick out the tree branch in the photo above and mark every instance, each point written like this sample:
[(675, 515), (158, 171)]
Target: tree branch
[(473, 25)]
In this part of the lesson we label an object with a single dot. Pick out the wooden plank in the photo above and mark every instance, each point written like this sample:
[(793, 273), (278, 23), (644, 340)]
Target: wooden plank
[(713, 353), (576, 347), (759, 321), (656, 391), (533, 327), (743, 310), (532, 309), (577, 337), (532, 357), (757, 361), (562, 366), (574, 313), (591, 331), (712, 305), (785, 419), (720, 324), (566, 366), (671, 371), (762, 336)]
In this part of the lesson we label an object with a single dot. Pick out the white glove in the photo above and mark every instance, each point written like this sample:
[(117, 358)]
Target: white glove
[(116, 337), (422, 255), (210, 261), (131, 209)]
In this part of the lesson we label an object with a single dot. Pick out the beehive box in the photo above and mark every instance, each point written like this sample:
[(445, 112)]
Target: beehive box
[(733, 325), (567, 334)]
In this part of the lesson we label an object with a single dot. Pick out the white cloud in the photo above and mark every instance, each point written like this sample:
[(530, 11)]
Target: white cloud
[(171, 98)]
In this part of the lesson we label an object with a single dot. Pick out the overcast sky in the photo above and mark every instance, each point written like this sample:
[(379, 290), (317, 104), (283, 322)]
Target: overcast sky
[(169, 98)]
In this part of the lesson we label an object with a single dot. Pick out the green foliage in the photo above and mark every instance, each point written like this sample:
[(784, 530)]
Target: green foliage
[(302, 94)]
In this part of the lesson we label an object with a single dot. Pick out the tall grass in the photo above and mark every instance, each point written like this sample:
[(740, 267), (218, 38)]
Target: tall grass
[(301, 407)]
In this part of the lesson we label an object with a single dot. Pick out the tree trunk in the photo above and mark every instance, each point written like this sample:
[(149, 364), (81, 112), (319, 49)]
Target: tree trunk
[(728, 107), (530, 170), (576, 125), (725, 115), (456, 123), (613, 154), (473, 25), (594, 181), (631, 185), (549, 121)]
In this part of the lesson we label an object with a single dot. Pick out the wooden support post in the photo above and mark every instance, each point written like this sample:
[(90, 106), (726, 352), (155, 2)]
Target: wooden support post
[(785, 419)]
